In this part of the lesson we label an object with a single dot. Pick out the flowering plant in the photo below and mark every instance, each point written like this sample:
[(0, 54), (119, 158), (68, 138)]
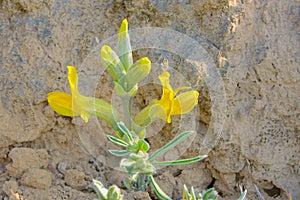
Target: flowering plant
[(131, 132)]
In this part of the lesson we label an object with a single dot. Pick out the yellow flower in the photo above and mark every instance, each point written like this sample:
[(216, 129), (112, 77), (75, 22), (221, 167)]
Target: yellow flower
[(169, 104), (75, 104), (172, 104)]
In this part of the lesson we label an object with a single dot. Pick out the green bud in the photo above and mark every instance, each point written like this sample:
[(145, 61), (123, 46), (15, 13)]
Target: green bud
[(136, 73), (112, 63), (137, 164), (114, 193), (124, 47), (100, 190)]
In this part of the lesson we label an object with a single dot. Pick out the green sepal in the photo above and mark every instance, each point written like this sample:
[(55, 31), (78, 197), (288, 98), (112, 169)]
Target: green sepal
[(145, 117), (112, 63), (105, 111), (124, 47)]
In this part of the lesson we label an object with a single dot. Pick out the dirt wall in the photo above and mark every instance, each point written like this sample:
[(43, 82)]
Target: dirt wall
[(253, 43)]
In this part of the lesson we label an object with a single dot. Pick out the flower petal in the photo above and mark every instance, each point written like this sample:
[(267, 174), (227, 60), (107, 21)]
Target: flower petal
[(61, 103), (181, 88), (185, 102), (167, 98), (167, 89), (73, 80)]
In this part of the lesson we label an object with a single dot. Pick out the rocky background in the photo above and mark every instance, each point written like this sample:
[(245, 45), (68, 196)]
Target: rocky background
[(254, 43)]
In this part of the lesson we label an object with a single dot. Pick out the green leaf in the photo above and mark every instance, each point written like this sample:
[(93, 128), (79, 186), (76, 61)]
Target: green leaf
[(210, 194), (128, 183), (119, 153), (199, 196), (143, 145), (124, 47), (177, 140), (193, 193), (186, 193), (133, 148), (100, 190), (117, 141), (112, 63), (125, 131), (114, 193), (243, 195), (157, 189), (180, 162)]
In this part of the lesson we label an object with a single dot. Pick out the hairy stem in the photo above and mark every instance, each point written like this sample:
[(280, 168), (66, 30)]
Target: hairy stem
[(127, 111)]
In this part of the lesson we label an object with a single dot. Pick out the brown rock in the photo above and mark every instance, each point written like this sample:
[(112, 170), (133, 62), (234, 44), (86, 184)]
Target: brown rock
[(198, 177), (37, 178), (139, 195), (43, 156), (75, 179), (23, 128), (10, 187), (23, 159), (167, 182)]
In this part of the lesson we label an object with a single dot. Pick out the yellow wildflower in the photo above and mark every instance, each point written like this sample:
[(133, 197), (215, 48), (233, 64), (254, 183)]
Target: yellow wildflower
[(169, 104), (75, 104)]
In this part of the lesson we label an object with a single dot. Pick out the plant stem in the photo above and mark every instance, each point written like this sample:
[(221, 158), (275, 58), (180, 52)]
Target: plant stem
[(127, 111), (142, 182)]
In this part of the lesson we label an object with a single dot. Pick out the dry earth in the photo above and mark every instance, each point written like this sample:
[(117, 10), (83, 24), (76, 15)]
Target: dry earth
[(254, 44)]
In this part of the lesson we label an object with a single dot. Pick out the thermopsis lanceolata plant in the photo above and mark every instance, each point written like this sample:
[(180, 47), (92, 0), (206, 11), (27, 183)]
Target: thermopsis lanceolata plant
[(130, 134)]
